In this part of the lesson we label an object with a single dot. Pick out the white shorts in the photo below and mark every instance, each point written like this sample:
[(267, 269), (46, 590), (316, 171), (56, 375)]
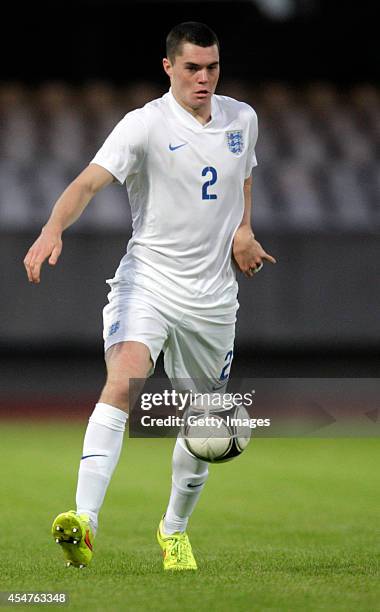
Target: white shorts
[(197, 344)]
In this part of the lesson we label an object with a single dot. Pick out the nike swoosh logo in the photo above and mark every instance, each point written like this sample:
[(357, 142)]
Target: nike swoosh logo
[(195, 486), (220, 387), (177, 147), (87, 456)]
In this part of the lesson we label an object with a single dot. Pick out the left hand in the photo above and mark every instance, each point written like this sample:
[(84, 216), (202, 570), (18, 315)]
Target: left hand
[(247, 252)]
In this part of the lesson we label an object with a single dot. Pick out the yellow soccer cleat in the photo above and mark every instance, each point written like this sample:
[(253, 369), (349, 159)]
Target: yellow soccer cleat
[(73, 533), (176, 549)]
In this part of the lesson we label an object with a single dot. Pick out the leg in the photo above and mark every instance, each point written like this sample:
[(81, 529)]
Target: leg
[(105, 431), (75, 531), (189, 477), (197, 357)]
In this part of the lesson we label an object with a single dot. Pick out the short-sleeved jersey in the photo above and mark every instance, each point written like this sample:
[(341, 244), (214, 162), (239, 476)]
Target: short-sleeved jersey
[(185, 186)]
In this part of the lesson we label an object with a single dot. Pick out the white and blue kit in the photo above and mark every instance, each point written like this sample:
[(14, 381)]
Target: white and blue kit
[(175, 289)]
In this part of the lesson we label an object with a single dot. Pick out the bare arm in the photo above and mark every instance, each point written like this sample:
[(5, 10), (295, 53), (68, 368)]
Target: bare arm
[(66, 211), (247, 252)]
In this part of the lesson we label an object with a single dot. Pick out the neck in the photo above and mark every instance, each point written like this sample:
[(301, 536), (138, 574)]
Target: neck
[(201, 114)]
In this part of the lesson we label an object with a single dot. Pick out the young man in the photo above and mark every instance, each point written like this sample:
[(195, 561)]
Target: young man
[(186, 160)]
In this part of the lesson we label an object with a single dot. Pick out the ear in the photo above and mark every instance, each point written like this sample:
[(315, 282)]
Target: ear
[(167, 67)]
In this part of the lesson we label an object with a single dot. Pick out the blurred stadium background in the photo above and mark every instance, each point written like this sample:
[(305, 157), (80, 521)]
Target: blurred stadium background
[(298, 520), (309, 68)]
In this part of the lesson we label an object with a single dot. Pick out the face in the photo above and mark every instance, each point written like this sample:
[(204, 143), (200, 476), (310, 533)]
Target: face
[(194, 75)]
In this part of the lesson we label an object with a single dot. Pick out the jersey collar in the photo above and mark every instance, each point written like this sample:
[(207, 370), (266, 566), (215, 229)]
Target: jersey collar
[(188, 118)]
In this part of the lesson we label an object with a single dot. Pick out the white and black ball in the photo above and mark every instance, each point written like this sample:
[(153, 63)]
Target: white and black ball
[(216, 434)]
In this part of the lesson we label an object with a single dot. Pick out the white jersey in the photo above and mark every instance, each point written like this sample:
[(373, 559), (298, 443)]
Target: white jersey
[(185, 186)]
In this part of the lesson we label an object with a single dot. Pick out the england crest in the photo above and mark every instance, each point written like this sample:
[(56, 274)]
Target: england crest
[(235, 141)]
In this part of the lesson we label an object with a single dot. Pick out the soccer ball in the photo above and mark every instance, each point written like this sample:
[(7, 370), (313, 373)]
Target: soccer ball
[(216, 433)]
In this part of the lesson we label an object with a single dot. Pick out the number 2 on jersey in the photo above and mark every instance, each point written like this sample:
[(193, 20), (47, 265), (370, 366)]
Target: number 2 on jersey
[(207, 184)]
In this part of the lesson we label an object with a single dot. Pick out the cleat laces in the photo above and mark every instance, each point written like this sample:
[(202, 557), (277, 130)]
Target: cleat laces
[(179, 549)]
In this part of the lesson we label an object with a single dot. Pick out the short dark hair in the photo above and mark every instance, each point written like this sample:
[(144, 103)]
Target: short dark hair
[(192, 32)]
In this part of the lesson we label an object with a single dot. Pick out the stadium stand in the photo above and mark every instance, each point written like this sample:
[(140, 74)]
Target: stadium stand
[(318, 153)]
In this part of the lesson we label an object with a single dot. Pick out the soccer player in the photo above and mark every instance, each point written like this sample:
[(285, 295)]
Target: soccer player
[(186, 160)]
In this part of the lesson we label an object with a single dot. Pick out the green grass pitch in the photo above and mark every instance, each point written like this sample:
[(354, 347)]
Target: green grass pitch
[(292, 524)]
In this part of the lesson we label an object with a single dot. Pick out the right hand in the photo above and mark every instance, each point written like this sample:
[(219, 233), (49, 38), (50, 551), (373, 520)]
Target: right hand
[(47, 245)]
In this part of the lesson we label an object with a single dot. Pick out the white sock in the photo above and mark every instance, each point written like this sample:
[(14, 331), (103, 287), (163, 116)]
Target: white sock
[(101, 451), (188, 480)]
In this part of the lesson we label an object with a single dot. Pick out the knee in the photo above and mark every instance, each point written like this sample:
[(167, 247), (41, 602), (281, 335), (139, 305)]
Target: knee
[(116, 392), (126, 361), (118, 385)]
